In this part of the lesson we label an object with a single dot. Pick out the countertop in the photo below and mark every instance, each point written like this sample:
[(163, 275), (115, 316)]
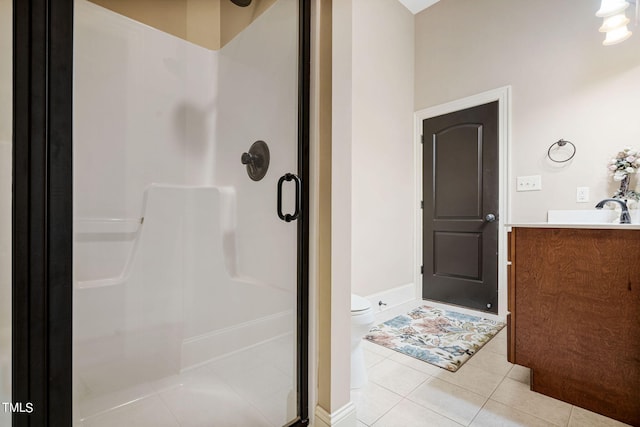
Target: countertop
[(600, 226)]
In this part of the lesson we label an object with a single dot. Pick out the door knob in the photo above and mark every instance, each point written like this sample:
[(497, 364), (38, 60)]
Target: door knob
[(490, 217)]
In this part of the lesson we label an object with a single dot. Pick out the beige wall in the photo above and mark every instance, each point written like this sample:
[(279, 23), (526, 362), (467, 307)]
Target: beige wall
[(208, 23), (5, 202), (341, 135), (234, 19), (565, 85), (202, 26), (382, 147), (321, 159), (169, 16), (371, 146)]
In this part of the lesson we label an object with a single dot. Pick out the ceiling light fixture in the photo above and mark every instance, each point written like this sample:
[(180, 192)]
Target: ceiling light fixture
[(615, 20)]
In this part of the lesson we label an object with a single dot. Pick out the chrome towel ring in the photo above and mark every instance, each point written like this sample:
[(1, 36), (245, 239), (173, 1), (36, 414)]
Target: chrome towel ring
[(561, 143)]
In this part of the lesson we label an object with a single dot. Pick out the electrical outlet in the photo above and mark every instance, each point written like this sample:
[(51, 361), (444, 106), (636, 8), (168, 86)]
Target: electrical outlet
[(582, 194), (529, 183)]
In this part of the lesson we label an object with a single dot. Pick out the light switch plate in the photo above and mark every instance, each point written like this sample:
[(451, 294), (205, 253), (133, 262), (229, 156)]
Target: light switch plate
[(529, 183)]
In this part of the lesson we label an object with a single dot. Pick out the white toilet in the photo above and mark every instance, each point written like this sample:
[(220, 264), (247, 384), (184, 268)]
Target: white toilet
[(362, 319)]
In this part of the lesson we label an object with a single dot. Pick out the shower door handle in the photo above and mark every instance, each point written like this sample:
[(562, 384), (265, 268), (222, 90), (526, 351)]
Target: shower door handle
[(298, 184)]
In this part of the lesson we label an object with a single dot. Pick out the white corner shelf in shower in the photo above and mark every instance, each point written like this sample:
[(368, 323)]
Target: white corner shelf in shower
[(103, 249), (106, 225)]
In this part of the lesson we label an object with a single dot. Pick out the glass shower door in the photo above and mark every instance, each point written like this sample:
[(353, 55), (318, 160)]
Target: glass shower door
[(185, 257)]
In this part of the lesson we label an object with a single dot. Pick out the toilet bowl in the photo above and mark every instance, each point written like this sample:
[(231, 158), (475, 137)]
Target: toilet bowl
[(362, 319)]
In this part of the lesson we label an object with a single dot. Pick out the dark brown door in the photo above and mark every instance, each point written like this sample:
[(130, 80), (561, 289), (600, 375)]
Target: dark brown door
[(460, 217)]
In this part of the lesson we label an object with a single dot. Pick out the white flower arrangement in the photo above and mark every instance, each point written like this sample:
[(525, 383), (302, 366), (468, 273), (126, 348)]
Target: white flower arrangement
[(625, 163)]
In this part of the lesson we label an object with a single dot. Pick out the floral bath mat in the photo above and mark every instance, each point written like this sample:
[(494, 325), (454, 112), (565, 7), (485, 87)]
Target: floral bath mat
[(441, 337)]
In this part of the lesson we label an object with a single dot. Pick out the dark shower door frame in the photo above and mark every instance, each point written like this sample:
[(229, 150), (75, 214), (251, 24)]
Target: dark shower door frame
[(42, 222)]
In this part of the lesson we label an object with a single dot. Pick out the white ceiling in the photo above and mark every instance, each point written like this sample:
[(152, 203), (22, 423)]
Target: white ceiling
[(416, 6)]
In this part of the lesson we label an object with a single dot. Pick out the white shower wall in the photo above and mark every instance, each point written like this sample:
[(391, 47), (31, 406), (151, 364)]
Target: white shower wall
[(257, 98), (144, 111)]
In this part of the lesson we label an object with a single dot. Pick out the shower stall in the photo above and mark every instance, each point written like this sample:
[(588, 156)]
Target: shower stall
[(188, 297)]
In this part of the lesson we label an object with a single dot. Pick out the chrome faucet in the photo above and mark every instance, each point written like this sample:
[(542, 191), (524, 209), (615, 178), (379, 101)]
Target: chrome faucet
[(625, 218)]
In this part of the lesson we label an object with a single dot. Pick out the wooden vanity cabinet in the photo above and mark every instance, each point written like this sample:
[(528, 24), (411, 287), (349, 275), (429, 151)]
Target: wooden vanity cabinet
[(574, 316)]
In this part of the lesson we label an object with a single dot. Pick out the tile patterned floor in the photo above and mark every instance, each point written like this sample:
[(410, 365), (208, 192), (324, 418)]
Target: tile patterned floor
[(486, 391)]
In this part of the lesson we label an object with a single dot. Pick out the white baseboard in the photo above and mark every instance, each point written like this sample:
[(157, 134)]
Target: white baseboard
[(343, 417), (392, 297), (203, 348)]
